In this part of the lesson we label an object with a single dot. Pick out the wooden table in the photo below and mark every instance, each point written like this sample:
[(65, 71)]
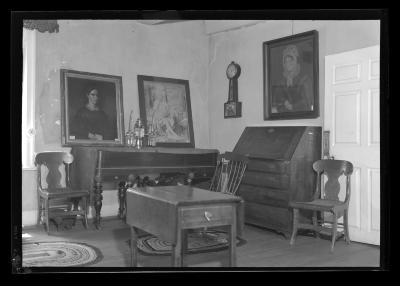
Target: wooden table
[(169, 211)]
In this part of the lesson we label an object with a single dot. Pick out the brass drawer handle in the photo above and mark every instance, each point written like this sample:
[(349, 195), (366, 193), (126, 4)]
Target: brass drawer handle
[(208, 215)]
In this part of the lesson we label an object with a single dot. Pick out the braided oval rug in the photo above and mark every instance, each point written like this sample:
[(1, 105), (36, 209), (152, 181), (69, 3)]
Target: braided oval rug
[(59, 254), (212, 240)]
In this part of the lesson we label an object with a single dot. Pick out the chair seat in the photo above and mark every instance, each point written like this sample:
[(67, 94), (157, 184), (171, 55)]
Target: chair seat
[(319, 205), (62, 212), (64, 193)]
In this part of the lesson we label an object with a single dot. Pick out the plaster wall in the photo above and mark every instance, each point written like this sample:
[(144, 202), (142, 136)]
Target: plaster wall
[(244, 46), (114, 47)]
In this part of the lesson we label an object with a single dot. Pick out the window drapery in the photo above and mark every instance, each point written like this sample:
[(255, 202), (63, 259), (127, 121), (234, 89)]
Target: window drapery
[(42, 25)]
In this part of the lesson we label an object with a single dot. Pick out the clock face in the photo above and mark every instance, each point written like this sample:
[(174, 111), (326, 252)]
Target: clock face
[(232, 70)]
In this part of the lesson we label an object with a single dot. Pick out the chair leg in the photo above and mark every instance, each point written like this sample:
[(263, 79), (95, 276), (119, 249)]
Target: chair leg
[(85, 205), (294, 231), (46, 214), (39, 214), (334, 231), (315, 224), (75, 207), (346, 226), (59, 222)]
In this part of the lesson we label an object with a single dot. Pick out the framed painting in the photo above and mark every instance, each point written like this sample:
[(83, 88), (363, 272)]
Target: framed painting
[(166, 111), (291, 77), (91, 109)]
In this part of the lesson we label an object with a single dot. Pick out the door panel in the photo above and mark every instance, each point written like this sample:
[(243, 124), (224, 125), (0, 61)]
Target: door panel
[(352, 117), (346, 73), (346, 121), (373, 117), (373, 192)]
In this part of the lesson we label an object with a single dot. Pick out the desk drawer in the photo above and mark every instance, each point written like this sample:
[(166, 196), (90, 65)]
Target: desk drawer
[(205, 216)]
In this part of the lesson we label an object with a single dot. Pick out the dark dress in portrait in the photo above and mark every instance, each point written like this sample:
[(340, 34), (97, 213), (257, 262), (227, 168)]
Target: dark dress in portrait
[(299, 95), (87, 121)]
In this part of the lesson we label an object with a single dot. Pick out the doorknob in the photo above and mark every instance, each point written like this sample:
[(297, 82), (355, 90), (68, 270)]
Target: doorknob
[(208, 215)]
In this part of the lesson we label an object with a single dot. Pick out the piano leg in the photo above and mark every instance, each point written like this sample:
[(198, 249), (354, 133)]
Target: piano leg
[(121, 199), (123, 186), (97, 198)]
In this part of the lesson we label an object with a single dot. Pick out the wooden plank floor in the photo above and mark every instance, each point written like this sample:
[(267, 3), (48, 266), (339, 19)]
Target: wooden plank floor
[(263, 248)]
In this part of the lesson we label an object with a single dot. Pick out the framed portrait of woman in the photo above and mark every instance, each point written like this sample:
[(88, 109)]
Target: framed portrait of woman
[(91, 109), (291, 77), (166, 110)]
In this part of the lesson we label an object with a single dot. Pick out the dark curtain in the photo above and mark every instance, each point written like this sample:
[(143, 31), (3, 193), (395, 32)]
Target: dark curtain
[(42, 25)]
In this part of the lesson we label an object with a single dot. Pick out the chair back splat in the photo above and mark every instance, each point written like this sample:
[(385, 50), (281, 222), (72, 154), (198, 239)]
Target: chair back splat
[(52, 161), (332, 169)]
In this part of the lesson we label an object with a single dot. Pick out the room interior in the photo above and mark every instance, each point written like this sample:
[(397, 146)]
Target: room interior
[(199, 53)]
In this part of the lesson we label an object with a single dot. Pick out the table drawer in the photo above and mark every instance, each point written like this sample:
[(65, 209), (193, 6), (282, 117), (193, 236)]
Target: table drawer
[(193, 217)]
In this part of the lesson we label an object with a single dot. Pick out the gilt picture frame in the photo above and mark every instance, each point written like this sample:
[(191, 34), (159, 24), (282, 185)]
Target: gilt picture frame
[(165, 110), (91, 109), (290, 66)]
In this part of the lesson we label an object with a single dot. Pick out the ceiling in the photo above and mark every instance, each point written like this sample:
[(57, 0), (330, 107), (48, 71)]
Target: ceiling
[(211, 26), (158, 22)]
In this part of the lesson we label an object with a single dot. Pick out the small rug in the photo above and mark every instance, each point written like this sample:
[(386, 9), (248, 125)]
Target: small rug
[(212, 240), (59, 254)]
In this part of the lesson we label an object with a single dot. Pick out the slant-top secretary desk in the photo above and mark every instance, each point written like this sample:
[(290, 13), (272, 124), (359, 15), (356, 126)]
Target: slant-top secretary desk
[(94, 165)]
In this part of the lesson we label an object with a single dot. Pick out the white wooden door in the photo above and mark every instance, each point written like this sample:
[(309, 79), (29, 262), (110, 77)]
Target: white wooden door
[(352, 117)]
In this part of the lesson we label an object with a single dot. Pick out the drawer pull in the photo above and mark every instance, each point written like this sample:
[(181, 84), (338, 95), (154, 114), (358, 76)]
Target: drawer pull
[(208, 215)]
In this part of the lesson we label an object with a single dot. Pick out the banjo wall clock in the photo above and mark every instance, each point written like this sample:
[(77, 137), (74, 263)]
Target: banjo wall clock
[(233, 108)]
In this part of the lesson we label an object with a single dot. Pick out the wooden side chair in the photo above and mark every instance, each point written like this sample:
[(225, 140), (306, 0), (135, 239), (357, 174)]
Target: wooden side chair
[(56, 198), (326, 200)]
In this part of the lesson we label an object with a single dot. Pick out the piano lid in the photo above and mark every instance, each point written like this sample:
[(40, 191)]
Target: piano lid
[(272, 142)]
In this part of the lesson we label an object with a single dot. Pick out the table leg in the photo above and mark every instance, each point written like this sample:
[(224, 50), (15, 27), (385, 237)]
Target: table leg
[(121, 199), (97, 198), (184, 247), (177, 250), (133, 244), (232, 241)]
